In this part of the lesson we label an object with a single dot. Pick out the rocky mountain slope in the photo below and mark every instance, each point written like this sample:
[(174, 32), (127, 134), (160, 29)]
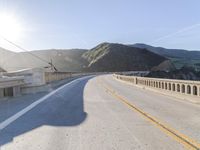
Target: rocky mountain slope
[(118, 57)]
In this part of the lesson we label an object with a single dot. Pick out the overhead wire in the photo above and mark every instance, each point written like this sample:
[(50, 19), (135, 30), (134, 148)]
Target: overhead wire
[(23, 49)]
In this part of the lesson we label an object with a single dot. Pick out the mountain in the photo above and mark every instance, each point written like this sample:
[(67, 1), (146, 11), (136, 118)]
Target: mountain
[(63, 60), (1, 70), (166, 65), (5, 55), (179, 57), (118, 57), (104, 57)]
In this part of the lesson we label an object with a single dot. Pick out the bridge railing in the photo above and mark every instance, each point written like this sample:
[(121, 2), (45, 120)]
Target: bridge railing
[(187, 87)]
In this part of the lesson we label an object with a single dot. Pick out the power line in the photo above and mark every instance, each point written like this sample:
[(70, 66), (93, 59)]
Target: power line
[(175, 33), (16, 45), (24, 49)]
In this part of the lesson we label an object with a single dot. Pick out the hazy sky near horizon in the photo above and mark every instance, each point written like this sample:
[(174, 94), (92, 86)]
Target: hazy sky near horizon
[(69, 24)]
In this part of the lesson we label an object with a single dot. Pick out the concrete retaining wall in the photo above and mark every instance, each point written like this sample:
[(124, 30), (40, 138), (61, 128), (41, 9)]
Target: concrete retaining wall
[(182, 87)]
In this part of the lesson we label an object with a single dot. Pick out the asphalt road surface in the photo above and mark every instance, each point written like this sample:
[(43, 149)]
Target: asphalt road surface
[(101, 113)]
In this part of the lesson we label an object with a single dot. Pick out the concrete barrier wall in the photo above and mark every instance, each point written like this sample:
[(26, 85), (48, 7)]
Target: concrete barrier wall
[(56, 76), (49, 79), (36, 80), (186, 87)]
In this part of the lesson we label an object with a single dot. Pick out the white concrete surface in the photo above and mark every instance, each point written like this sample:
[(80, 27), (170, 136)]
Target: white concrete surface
[(32, 76), (84, 116)]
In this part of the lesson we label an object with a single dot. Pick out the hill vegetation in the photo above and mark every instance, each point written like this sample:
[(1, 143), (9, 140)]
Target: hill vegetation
[(185, 73), (179, 57), (118, 57), (103, 57)]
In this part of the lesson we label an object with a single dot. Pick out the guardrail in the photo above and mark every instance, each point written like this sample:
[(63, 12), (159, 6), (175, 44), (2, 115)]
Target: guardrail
[(187, 87)]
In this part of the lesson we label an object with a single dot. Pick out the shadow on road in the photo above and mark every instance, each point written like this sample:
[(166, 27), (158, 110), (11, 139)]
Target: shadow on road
[(65, 108)]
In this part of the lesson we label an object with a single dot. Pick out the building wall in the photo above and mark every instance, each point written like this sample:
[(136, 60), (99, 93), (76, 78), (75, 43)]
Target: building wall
[(32, 77), (11, 86)]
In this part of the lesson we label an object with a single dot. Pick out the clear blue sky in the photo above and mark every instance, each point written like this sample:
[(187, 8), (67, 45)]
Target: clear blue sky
[(86, 23)]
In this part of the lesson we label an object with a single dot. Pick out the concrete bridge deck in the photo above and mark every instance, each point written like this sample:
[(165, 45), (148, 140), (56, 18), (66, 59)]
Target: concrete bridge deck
[(89, 114)]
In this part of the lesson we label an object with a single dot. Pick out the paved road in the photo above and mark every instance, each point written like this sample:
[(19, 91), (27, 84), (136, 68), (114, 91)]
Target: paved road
[(85, 115)]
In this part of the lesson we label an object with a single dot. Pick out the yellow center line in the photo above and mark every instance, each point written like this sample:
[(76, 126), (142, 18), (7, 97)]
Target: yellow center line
[(187, 142)]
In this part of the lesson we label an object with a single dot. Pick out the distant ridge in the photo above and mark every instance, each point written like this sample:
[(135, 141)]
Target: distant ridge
[(103, 57), (179, 57)]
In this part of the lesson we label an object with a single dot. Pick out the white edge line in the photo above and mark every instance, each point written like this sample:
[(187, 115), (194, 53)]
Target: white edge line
[(11, 119)]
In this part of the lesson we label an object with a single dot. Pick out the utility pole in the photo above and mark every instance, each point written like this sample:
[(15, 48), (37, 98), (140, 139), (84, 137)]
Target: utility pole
[(53, 68), (51, 63)]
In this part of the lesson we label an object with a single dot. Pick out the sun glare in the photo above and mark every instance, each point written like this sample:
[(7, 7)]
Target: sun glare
[(10, 27)]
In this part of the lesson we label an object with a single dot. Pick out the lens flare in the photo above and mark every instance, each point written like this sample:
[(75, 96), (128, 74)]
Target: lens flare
[(10, 27)]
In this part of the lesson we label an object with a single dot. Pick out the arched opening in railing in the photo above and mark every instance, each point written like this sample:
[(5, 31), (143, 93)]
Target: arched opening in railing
[(169, 87), (173, 87), (188, 89), (194, 90), (159, 85), (156, 84), (178, 87), (165, 86), (162, 85), (183, 88)]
